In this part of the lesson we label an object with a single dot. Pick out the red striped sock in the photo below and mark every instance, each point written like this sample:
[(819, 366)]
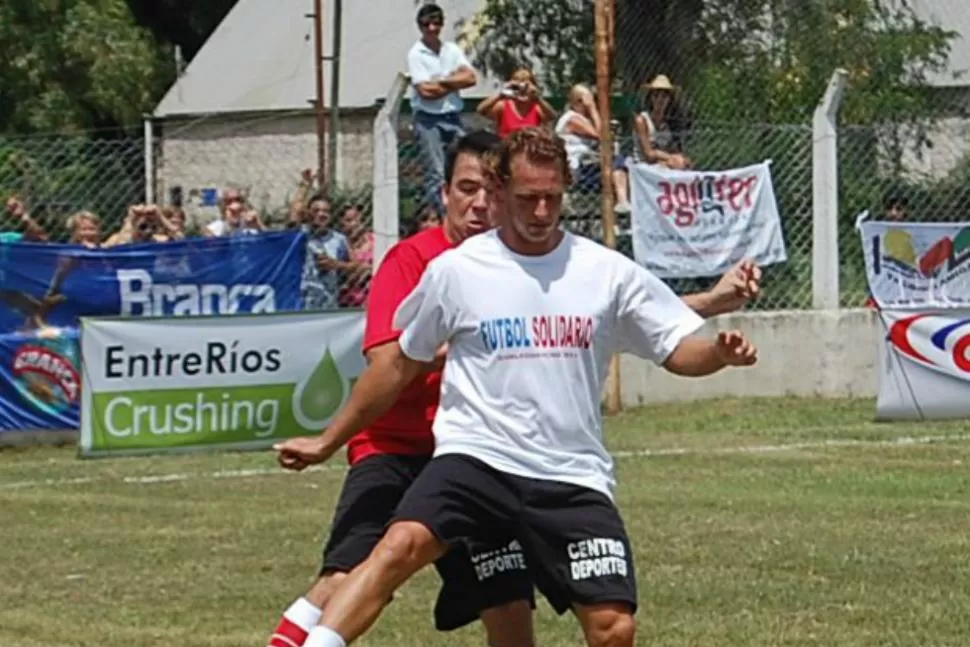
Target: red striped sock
[(295, 625)]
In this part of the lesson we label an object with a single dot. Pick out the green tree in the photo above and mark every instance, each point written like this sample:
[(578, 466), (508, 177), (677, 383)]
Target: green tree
[(72, 65), (735, 59)]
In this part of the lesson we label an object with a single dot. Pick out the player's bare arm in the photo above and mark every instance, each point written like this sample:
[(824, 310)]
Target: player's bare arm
[(697, 356), (732, 292), (427, 367), (378, 388)]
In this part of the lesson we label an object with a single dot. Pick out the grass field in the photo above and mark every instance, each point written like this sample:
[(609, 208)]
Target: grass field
[(755, 523)]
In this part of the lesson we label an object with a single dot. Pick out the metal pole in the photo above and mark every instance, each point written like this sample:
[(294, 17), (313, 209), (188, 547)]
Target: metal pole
[(321, 111), (335, 90), (604, 30), (149, 137)]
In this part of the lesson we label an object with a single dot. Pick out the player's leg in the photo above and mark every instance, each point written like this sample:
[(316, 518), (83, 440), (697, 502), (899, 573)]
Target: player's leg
[(487, 580), (509, 625), (455, 497), (610, 624), (370, 495), (580, 557)]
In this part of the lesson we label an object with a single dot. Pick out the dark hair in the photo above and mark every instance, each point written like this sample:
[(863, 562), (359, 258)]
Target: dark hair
[(479, 143), (896, 200), (430, 12), (318, 197), (349, 206), (423, 213)]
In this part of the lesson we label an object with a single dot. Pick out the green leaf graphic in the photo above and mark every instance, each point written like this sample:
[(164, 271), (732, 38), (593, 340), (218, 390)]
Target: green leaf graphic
[(962, 241), (323, 392)]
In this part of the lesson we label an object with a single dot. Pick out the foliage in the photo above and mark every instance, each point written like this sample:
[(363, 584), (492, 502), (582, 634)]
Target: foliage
[(750, 60), (59, 175), (72, 65)]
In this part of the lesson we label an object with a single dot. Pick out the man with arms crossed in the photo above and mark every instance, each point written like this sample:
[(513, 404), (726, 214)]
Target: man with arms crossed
[(531, 316), (387, 457)]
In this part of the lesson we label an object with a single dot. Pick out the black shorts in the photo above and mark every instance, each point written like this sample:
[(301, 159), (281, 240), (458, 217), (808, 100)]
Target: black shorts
[(372, 491), (477, 576), (573, 537)]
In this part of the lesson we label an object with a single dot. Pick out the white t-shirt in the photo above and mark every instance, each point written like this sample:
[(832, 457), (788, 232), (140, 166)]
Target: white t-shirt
[(579, 150), (424, 65), (530, 340)]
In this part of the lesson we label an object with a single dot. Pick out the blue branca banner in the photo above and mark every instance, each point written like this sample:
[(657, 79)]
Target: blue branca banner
[(53, 285), (45, 289)]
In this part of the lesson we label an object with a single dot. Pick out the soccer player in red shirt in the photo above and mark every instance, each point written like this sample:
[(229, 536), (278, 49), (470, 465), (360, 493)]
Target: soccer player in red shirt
[(386, 457)]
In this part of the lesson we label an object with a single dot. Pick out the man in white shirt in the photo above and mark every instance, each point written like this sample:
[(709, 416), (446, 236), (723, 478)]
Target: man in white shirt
[(439, 70), (531, 316)]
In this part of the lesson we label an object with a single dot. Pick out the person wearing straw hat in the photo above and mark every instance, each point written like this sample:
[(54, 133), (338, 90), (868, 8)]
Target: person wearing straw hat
[(657, 134)]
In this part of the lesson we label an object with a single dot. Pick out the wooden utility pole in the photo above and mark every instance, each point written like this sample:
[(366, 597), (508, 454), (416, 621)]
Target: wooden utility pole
[(321, 111), (604, 77), (334, 114)]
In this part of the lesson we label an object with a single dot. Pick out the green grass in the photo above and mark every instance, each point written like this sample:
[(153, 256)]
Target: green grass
[(845, 538)]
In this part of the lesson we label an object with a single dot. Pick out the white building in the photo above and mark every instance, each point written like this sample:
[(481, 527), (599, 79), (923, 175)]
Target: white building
[(241, 114), (949, 139)]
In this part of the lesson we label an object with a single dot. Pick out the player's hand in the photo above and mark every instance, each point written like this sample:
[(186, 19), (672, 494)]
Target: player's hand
[(299, 453), (739, 285), (734, 350)]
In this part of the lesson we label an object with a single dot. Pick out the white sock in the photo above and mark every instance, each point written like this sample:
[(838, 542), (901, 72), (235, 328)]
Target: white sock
[(322, 636), (304, 614)]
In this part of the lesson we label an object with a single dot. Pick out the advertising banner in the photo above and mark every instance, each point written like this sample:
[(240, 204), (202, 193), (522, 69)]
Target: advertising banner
[(45, 285), (700, 223), (925, 365), (40, 380), (917, 265), (240, 382)]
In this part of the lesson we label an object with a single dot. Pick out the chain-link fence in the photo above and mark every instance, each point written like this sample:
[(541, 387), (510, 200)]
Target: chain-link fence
[(57, 176), (743, 80), (911, 172), (197, 169), (711, 147)]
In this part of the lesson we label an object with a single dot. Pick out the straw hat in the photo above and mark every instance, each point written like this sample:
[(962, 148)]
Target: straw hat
[(660, 82)]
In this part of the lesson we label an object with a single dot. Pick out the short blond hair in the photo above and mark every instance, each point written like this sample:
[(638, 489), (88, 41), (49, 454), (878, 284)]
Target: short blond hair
[(537, 145), (74, 221), (578, 91)]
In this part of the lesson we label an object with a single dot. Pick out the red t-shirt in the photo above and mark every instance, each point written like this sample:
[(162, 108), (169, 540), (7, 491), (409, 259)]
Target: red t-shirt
[(511, 120), (406, 427)]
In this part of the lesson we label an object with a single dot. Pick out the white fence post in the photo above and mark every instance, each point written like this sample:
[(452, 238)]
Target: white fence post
[(387, 219), (825, 195), (149, 142)]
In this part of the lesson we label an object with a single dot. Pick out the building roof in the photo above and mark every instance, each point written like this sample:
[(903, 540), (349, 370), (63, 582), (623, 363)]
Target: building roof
[(260, 58)]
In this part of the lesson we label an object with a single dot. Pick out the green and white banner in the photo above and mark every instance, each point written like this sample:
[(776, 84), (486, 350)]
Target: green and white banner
[(238, 382)]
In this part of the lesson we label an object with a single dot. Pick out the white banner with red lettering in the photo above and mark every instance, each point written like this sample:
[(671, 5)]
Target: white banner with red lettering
[(924, 365), (700, 223)]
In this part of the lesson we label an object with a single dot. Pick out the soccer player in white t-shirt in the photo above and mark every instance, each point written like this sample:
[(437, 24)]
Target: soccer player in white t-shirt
[(531, 316)]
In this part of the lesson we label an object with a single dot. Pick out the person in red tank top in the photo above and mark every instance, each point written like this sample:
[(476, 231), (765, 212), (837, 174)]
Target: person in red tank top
[(389, 453), (517, 105)]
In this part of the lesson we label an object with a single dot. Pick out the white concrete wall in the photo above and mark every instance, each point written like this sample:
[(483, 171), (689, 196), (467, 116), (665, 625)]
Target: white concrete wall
[(946, 146), (263, 155), (802, 353), (807, 353)]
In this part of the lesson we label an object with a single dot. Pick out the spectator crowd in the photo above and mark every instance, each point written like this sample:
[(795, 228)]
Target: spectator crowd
[(439, 71), (340, 249), (340, 245)]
